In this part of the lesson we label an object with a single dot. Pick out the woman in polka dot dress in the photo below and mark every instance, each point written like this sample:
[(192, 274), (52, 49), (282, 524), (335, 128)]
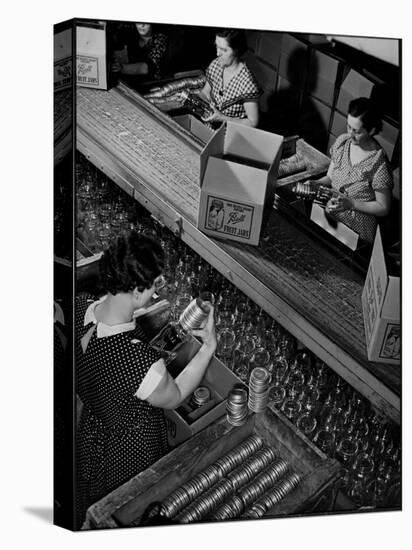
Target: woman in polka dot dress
[(231, 89), (122, 382), (360, 172)]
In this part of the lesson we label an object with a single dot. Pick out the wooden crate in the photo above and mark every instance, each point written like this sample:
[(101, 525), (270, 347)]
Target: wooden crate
[(125, 505)]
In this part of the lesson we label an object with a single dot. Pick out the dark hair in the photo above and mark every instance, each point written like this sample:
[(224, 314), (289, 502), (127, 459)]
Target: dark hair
[(235, 38), (367, 111), (134, 260)]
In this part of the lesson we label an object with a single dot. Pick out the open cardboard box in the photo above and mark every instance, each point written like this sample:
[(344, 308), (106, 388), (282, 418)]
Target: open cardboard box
[(337, 229), (238, 172), (195, 127), (91, 55), (381, 308), (186, 420)]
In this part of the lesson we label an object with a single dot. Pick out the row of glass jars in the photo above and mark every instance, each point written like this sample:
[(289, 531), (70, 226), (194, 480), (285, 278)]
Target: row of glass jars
[(315, 399)]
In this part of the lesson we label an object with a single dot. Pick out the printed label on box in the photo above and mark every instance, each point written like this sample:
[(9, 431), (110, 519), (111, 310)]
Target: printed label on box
[(391, 344), (63, 73), (229, 217), (370, 305), (87, 69)]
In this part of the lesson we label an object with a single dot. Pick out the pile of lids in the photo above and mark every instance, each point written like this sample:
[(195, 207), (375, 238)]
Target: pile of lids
[(201, 396), (236, 406), (241, 483), (259, 382)]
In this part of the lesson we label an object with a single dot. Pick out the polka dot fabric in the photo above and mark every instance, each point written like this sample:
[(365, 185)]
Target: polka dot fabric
[(118, 435), (360, 182), (242, 87)]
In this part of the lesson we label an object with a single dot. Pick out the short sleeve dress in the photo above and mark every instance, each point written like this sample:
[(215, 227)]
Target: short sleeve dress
[(230, 100), (359, 182), (154, 53), (119, 435)]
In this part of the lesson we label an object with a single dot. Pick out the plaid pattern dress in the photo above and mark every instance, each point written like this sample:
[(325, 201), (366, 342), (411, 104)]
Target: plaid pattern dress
[(359, 181), (230, 100)]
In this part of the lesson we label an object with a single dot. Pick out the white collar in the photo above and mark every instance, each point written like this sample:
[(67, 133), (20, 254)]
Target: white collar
[(103, 329), (58, 314)]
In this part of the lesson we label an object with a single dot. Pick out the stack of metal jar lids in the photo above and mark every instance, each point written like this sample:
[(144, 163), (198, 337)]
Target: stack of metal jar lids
[(251, 467), (264, 481), (248, 480), (204, 480), (189, 491), (236, 406), (259, 389), (231, 509), (274, 495), (200, 396), (239, 454), (204, 504)]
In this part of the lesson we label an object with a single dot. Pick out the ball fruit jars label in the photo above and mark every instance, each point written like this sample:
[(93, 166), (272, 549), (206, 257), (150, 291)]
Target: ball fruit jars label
[(228, 217)]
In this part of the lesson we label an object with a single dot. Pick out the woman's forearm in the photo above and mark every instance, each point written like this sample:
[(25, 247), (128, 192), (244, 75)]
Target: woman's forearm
[(191, 376), (373, 208)]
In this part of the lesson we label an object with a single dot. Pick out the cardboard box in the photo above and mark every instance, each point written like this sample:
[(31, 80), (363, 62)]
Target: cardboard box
[(269, 47), (339, 124), (63, 65), (314, 122), (238, 171), (266, 77), (381, 308), (91, 55), (337, 229), (355, 85), (186, 420), (387, 138), (322, 74), (293, 61), (195, 127)]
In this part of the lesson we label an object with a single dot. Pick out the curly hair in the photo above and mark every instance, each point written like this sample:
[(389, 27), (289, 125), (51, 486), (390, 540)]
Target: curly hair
[(133, 261), (236, 39), (367, 111)]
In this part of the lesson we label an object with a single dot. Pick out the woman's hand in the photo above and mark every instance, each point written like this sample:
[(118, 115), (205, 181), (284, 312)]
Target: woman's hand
[(339, 203), (207, 333), (216, 115)]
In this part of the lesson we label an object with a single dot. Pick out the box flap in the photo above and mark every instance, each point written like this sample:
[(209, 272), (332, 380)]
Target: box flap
[(380, 273), (237, 181), (251, 144), (338, 230), (214, 147), (89, 40), (391, 305)]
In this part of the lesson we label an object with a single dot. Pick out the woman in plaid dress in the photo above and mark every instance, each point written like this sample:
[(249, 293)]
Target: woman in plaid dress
[(360, 172), (231, 89)]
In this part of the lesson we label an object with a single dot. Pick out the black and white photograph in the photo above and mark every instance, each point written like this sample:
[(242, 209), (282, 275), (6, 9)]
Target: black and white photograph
[(229, 370), (227, 258)]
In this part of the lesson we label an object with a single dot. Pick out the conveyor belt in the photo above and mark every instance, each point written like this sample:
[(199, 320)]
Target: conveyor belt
[(317, 288)]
